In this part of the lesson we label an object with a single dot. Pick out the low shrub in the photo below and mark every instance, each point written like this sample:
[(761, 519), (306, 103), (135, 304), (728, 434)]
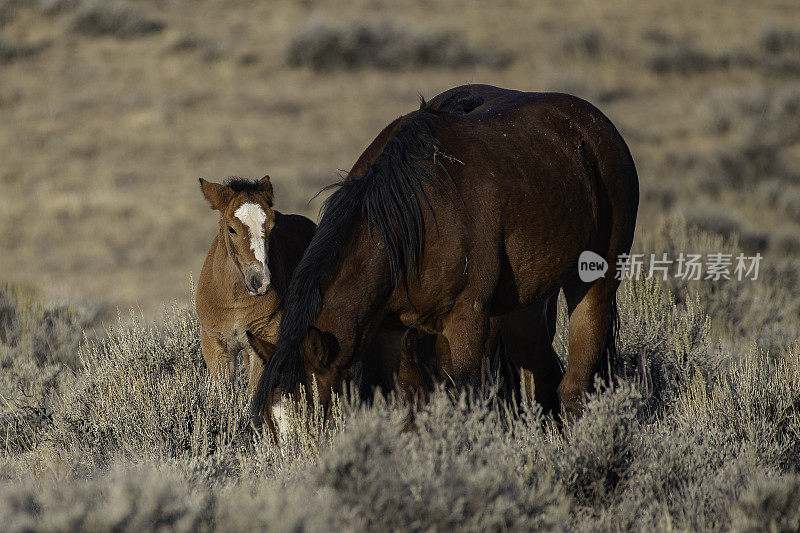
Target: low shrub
[(39, 344), (781, 40), (683, 59), (713, 220), (590, 43), (770, 504), (764, 311), (690, 435), (10, 52), (113, 19), (145, 392), (323, 44), (57, 7)]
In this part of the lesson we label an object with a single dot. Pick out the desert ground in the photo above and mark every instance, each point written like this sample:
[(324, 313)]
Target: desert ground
[(110, 111)]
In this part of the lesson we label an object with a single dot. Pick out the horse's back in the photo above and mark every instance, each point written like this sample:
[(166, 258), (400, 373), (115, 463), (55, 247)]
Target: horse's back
[(468, 98), (543, 147), (550, 176)]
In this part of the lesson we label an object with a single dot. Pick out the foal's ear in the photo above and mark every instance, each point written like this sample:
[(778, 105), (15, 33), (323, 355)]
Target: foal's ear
[(265, 186), (316, 346), (217, 195), (265, 350)]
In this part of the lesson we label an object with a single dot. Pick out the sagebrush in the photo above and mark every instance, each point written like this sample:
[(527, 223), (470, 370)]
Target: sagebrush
[(131, 434)]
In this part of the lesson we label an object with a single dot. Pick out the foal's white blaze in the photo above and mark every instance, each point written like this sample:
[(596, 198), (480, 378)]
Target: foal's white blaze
[(253, 217), (281, 419)]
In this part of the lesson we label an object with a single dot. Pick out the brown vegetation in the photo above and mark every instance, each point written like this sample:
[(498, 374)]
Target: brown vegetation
[(105, 133), (107, 119)]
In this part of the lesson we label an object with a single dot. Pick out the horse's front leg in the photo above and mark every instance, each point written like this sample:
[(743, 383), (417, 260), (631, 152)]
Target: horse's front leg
[(467, 329)]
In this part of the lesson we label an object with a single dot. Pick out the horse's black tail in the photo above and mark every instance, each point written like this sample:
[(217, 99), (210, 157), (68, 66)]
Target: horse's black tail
[(607, 364)]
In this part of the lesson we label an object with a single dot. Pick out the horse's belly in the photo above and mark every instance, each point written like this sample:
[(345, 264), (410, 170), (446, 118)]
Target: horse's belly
[(538, 257)]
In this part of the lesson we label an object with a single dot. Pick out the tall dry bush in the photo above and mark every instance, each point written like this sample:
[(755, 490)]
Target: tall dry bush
[(765, 311), (692, 434), (39, 343)]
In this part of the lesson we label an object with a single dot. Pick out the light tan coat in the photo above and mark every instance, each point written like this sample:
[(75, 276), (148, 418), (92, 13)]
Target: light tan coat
[(229, 298)]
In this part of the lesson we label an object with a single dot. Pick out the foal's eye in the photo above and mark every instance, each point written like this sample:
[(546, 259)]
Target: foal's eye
[(231, 230)]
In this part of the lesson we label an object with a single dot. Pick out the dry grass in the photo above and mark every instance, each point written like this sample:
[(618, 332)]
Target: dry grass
[(106, 136), (111, 110), (694, 435)]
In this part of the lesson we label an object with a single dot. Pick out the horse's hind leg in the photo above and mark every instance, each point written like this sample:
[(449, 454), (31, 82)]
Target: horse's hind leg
[(528, 337), (591, 314)]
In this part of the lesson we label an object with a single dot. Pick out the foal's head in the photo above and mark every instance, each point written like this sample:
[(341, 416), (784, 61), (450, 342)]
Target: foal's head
[(246, 219)]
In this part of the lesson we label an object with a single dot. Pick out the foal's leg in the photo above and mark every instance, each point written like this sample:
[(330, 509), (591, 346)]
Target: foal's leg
[(256, 353), (255, 363), (218, 360), (590, 315), (547, 369)]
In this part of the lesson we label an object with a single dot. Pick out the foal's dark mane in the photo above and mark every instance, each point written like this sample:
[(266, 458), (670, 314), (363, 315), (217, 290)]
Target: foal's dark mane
[(388, 194), (238, 184)]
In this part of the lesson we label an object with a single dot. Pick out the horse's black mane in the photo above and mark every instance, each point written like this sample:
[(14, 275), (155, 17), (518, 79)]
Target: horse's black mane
[(389, 196)]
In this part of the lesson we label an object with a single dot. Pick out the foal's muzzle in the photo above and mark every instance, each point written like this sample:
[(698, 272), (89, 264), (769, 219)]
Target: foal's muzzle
[(256, 281)]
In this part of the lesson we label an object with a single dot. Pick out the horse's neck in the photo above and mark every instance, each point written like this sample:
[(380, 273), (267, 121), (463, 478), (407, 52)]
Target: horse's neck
[(224, 271), (355, 301)]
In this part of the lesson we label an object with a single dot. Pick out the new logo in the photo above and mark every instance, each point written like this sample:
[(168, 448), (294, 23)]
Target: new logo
[(591, 266)]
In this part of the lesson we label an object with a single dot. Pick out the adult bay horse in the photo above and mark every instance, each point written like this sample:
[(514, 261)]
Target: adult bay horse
[(450, 219), (246, 273), (527, 334)]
